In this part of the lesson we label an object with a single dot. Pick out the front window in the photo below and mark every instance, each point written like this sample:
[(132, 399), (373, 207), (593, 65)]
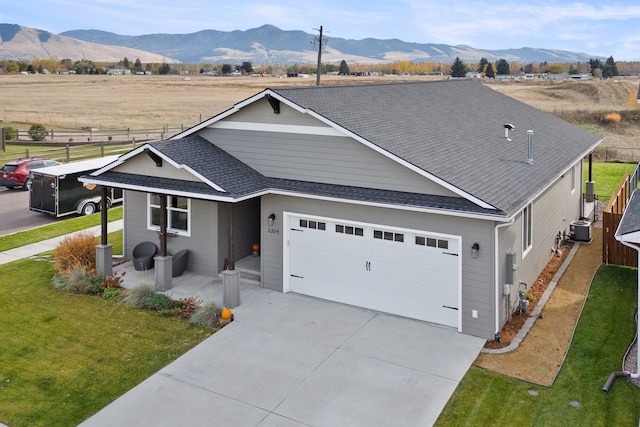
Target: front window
[(573, 179), (526, 229), (178, 214)]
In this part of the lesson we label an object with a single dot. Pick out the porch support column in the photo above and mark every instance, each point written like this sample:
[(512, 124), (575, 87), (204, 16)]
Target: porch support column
[(104, 251), (163, 225), (590, 185), (164, 270), (231, 258), (231, 284), (163, 263)]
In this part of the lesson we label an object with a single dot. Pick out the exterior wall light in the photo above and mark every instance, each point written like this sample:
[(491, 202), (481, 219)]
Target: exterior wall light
[(271, 218), (475, 249)]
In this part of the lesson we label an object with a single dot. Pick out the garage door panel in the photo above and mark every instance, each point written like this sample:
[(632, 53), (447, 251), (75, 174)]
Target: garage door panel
[(395, 271)]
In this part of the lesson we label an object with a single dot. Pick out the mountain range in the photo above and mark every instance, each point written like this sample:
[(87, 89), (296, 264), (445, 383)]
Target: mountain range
[(20, 43), (263, 45)]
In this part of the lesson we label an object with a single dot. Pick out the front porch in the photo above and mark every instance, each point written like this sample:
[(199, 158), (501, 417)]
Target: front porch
[(203, 287)]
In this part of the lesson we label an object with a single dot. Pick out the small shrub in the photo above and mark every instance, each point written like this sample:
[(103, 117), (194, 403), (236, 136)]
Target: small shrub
[(59, 282), (38, 132), (111, 293), (79, 282), (612, 118), (136, 295), (187, 306), (76, 252), (10, 133), (113, 280), (207, 315), (158, 302)]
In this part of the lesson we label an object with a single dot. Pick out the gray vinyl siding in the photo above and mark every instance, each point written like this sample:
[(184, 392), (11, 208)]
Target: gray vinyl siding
[(552, 212), (477, 273), (142, 164), (202, 244), (318, 158), (261, 112)]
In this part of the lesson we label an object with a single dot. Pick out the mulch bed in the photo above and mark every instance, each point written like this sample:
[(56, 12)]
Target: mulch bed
[(517, 319)]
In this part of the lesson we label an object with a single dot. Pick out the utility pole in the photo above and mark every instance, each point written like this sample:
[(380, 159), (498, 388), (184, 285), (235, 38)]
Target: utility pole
[(319, 39)]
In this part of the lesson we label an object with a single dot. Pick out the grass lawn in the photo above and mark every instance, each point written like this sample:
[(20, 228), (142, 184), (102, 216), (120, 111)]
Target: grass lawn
[(64, 356), (604, 332), (607, 176), (56, 229)]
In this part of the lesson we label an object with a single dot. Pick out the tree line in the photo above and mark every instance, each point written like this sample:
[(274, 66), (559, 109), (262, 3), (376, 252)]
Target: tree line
[(458, 68), (594, 67)]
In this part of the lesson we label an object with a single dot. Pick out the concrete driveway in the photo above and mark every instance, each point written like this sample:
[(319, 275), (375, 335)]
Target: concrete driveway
[(291, 360)]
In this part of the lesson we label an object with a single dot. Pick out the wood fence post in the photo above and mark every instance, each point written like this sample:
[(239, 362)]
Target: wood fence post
[(67, 152)]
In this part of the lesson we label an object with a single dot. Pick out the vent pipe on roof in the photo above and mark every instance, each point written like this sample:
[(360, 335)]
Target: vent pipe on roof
[(529, 146)]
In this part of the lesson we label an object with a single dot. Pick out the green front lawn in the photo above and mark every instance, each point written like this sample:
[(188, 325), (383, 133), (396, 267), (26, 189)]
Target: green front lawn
[(604, 332), (56, 229), (63, 356)]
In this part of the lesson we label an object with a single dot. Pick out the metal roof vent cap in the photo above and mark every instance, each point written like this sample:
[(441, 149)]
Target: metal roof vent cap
[(507, 128), (529, 146)]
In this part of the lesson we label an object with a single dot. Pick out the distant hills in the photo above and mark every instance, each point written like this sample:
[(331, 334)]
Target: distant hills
[(20, 43), (264, 45)]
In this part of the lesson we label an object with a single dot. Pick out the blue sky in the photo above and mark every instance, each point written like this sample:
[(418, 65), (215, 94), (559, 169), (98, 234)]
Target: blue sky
[(594, 27)]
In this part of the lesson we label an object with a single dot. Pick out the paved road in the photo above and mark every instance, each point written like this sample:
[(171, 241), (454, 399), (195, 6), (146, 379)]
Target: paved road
[(15, 214)]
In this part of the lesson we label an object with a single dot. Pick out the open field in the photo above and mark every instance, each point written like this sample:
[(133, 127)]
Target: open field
[(153, 102), (119, 102)]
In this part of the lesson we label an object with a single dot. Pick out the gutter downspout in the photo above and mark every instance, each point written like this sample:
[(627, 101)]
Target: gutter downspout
[(497, 275), (637, 249)]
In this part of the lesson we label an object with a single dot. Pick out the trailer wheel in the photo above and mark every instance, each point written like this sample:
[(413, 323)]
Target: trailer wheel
[(89, 208)]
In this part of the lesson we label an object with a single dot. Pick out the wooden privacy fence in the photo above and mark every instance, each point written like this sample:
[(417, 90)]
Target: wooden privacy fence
[(614, 252)]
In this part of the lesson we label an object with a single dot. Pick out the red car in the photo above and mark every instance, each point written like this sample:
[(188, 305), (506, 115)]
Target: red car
[(16, 174)]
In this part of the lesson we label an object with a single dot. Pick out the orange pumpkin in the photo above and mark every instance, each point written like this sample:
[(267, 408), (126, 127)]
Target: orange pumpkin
[(226, 313), (255, 247)]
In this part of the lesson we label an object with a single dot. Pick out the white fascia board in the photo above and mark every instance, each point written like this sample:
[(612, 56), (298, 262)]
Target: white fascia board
[(269, 127), (142, 149), (633, 237)]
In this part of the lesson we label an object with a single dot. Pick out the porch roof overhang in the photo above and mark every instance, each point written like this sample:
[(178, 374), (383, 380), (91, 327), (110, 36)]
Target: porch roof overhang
[(444, 205)]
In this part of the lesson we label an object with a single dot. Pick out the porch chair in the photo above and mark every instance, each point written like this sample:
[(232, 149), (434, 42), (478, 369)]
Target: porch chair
[(143, 255), (179, 263)]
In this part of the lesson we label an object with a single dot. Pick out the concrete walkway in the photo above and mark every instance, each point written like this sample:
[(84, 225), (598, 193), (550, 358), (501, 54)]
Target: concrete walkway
[(50, 244), (291, 360)]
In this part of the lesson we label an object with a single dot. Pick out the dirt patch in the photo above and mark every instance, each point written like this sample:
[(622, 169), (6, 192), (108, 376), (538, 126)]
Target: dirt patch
[(533, 294), (540, 355)]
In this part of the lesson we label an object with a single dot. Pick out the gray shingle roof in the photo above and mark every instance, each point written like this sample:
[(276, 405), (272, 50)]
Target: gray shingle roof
[(239, 180), (213, 163), (455, 131), (630, 222)]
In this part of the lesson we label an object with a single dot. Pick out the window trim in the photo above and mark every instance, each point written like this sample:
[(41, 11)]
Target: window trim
[(527, 229), (574, 173), (178, 231)]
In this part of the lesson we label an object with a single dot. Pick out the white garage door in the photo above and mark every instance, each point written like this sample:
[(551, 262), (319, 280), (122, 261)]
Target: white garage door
[(406, 272)]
